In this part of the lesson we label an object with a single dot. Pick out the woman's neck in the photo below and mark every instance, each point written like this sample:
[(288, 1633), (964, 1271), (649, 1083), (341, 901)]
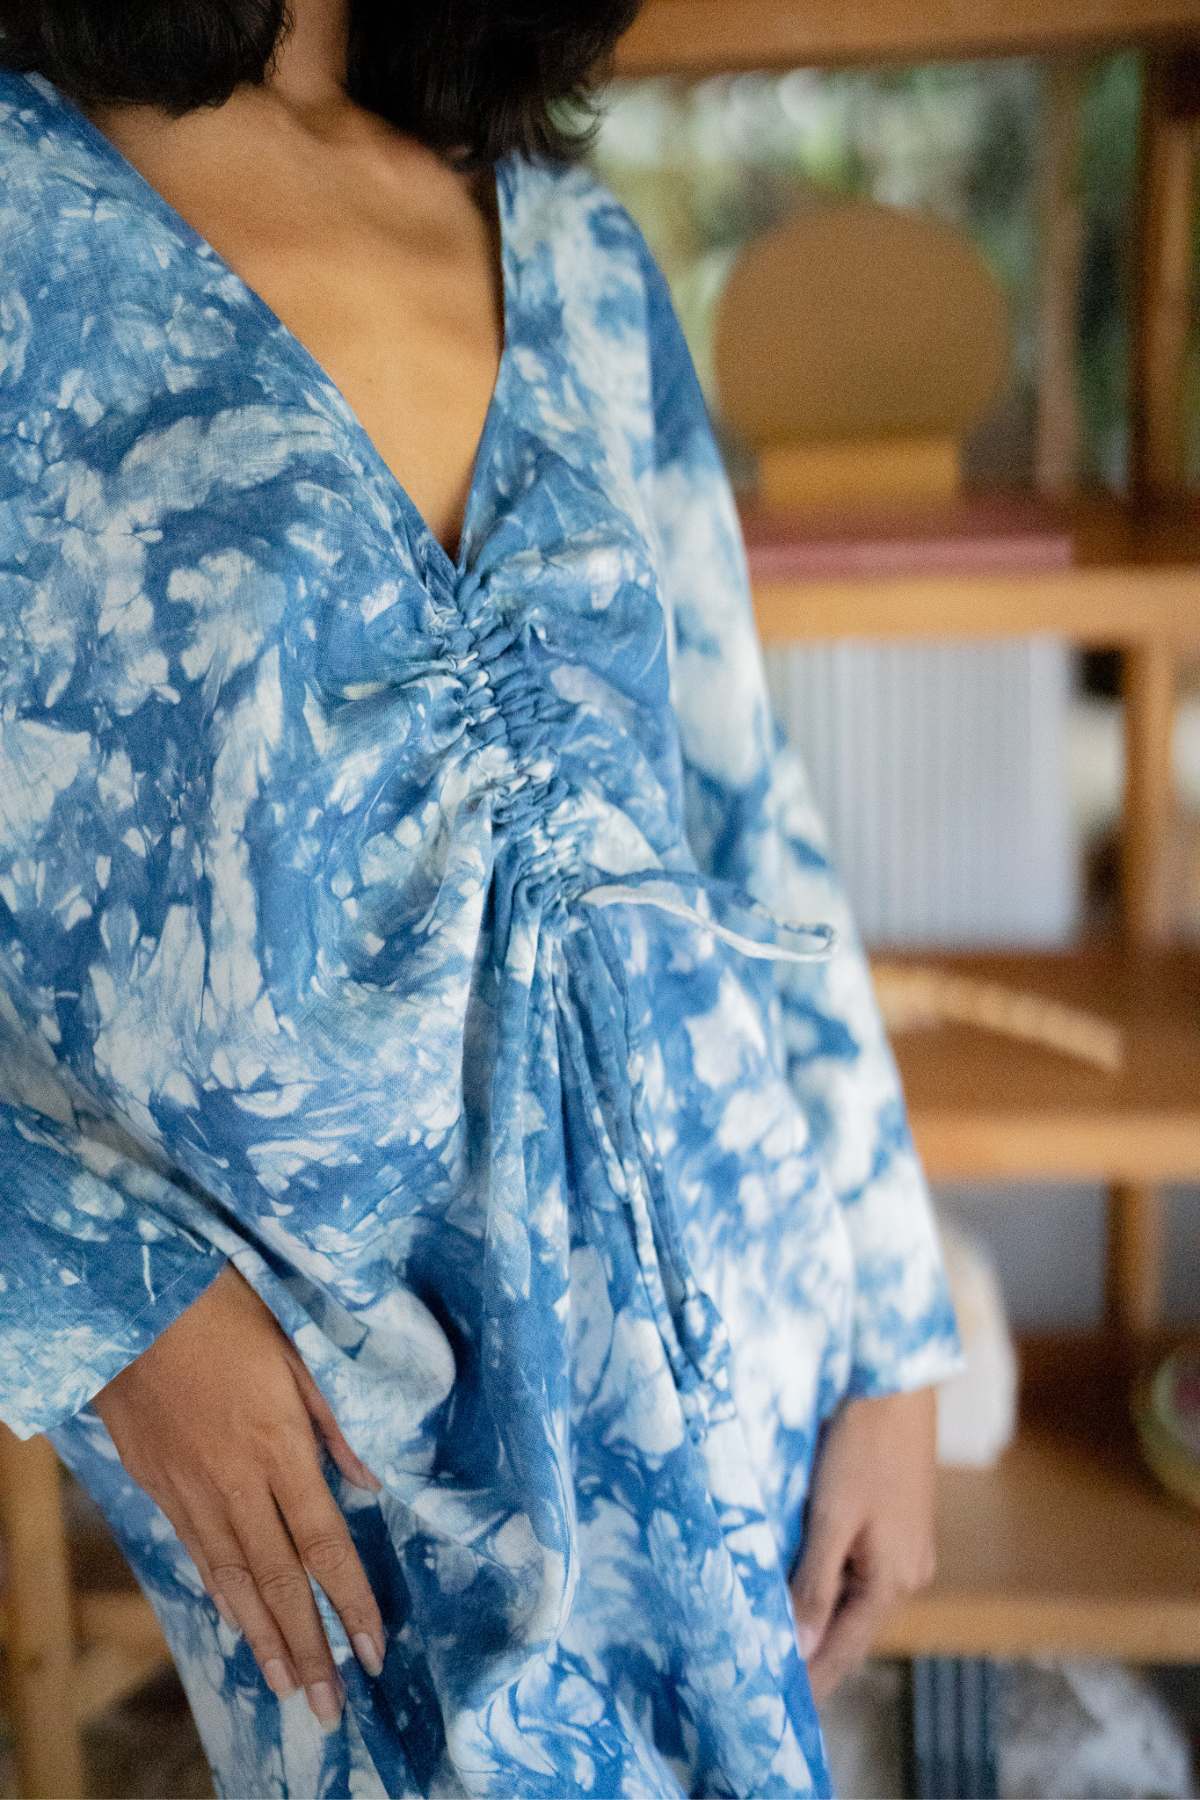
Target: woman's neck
[(308, 72)]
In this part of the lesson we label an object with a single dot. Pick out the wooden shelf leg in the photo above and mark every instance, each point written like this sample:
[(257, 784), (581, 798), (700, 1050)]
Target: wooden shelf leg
[(39, 1645), (1060, 229), (1148, 680), (951, 1745), (1133, 1273), (1162, 275)]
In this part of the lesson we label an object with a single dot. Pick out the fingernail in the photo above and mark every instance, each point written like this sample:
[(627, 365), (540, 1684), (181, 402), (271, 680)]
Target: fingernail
[(223, 1608), (326, 1705), (279, 1678), (367, 1652), (806, 1638), (370, 1481)]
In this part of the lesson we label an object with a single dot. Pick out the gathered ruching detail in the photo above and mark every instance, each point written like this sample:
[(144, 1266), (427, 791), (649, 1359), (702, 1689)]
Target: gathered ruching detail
[(506, 702), (508, 705)]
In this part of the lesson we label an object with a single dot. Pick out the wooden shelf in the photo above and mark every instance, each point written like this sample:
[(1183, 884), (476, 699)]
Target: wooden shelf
[(986, 1106), (1068, 1545), (702, 37), (1121, 577)]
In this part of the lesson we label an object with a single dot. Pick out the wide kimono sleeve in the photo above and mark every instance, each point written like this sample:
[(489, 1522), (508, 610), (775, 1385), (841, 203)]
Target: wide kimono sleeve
[(96, 1256), (98, 1250), (752, 819)]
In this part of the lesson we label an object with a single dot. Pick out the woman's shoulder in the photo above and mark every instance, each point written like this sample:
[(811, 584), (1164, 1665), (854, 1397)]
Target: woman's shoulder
[(596, 245), (26, 115), (36, 178), (587, 281), (50, 176), (90, 276), (71, 204), (123, 338)]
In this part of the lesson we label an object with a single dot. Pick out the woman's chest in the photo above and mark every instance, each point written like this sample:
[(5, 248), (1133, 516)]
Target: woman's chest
[(291, 720), (381, 263)]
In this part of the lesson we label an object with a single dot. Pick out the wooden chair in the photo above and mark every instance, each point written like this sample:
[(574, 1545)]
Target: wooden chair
[(71, 1647)]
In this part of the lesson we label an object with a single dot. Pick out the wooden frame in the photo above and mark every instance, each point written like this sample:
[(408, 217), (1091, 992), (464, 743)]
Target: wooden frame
[(709, 37)]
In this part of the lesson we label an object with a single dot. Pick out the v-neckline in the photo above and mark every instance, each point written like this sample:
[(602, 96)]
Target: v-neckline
[(504, 170)]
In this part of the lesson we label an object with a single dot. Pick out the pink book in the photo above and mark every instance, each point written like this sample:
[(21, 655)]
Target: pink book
[(975, 533)]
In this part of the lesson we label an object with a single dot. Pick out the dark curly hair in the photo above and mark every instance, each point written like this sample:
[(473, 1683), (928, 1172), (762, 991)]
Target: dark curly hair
[(473, 79)]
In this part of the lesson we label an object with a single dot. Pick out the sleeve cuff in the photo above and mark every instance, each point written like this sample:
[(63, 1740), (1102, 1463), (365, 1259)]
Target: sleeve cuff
[(897, 1348), (44, 1381), (925, 1366)]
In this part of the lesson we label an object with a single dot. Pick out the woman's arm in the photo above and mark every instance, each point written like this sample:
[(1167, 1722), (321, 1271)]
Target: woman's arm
[(109, 1296), (96, 1256), (752, 819)]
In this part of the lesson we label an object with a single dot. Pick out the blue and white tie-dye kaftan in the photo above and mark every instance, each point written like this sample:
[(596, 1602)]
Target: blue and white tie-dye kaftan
[(386, 923)]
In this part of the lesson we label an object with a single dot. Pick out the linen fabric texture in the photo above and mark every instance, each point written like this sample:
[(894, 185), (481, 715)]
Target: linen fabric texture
[(441, 941)]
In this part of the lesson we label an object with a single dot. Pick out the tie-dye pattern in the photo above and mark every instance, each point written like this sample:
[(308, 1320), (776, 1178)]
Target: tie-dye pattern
[(384, 922)]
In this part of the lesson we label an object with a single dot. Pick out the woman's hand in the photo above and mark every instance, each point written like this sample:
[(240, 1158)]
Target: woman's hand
[(870, 1528), (220, 1422)]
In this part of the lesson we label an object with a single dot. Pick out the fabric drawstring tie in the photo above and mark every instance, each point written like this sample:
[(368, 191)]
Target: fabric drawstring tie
[(735, 914)]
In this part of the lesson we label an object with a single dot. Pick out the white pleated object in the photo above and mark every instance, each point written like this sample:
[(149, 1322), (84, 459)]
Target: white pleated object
[(942, 771)]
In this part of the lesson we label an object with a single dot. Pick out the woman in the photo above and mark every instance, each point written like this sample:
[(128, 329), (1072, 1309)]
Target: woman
[(453, 1164)]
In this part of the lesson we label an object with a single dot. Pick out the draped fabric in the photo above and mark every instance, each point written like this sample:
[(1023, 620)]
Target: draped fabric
[(454, 946)]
